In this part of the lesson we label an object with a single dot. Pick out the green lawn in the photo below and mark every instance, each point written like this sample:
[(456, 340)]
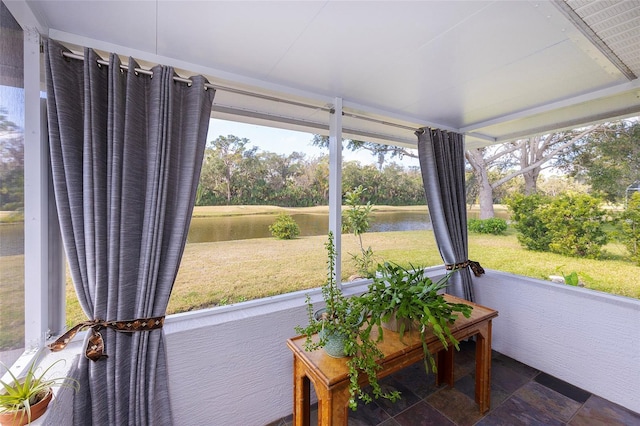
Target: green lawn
[(219, 273), (225, 272), (11, 306)]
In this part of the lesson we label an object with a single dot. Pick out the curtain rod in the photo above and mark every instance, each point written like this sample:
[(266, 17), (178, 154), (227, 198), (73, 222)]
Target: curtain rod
[(188, 81), (383, 122), (124, 67)]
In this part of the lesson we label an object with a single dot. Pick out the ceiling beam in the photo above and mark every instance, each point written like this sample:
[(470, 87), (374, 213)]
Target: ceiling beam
[(573, 123), (564, 103)]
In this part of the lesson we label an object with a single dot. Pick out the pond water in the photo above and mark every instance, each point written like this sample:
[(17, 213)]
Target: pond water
[(226, 228)]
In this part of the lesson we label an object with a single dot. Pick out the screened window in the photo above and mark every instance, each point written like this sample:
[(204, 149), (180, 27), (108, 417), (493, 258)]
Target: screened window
[(253, 174), (11, 189)]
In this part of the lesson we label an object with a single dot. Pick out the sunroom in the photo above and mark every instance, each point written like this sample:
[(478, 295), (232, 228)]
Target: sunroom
[(491, 71)]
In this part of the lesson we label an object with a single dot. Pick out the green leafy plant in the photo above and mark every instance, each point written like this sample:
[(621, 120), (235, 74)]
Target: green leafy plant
[(570, 224), (284, 227), (571, 279), (568, 279), (347, 318), (414, 300), (629, 232), (406, 293), (575, 225), (494, 225), (18, 395), (356, 220), (533, 233)]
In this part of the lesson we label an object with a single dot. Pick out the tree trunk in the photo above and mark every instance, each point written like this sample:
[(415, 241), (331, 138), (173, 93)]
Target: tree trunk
[(531, 181), (486, 201), (480, 171), (228, 181)]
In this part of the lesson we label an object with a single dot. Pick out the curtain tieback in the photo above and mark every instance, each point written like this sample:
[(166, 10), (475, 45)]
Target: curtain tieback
[(475, 267), (95, 347)]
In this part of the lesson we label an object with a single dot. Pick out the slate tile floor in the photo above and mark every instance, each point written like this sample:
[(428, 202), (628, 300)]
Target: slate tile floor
[(520, 395)]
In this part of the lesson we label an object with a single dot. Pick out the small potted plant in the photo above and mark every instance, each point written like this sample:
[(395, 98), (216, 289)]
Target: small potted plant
[(408, 299), (341, 329), (24, 399)]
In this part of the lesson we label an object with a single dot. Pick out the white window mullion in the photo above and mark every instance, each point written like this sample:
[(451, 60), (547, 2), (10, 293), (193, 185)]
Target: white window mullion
[(36, 201), (335, 182)]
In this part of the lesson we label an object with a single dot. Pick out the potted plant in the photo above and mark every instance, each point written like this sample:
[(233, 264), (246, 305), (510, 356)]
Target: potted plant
[(341, 329), (347, 323), (409, 299), (24, 399)]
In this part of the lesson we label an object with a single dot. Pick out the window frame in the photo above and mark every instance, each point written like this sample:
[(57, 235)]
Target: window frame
[(44, 277)]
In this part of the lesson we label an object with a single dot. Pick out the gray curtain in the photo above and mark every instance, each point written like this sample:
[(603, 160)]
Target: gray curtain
[(126, 153), (441, 156)]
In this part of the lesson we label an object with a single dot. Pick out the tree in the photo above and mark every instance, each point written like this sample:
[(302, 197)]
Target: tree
[(314, 181), (526, 158), (11, 164), (609, 160), (367, 176), (380, 151), (222, 163), (480, 163), (7, 126), (555, 185), (281, 177), (630, 227), (235, 172), (356, 220)]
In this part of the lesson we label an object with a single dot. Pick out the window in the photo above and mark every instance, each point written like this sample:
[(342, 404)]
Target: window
[(253, 173), (250, 175), (12, 328)]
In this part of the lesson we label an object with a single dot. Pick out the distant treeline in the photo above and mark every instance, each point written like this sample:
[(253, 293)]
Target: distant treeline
[(235, 173)]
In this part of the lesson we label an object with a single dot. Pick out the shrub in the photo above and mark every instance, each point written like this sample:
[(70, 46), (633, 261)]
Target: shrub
[(570, 224), (494, 225), (533, 233), (356, 219), (284, 227), (575, 225), (630, 227)]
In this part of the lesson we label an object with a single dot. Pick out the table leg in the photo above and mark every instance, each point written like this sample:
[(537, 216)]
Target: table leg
[(483, 367), (301, 394), (333, 409), (444, 361)]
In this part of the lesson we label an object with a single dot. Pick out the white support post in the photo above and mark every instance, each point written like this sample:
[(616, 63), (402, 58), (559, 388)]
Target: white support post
[(335, 182), (35, 201)]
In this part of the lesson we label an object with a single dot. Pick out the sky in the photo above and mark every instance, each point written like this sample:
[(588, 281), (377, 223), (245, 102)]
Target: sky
[(271, 139), (283, 141)]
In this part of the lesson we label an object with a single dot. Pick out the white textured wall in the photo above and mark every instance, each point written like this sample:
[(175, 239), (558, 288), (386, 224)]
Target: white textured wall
[(231, 366), (587, 338), (235, 372)]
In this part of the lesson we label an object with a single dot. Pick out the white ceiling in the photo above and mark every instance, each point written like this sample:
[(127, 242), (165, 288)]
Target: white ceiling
[(494, 70)]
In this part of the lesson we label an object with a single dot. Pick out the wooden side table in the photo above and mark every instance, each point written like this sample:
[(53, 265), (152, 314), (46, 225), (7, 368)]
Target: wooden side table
[(330, 375)]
